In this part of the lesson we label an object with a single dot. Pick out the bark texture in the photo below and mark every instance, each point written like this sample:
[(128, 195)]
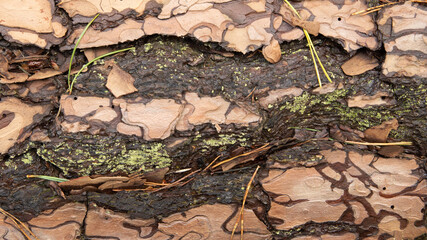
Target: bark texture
[(180, 103)]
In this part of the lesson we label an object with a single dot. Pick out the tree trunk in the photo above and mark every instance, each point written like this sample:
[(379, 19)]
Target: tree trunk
[(193, 103)]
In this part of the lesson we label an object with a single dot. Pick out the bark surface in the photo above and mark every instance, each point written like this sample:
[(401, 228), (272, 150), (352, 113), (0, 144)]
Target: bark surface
[(193, 102)]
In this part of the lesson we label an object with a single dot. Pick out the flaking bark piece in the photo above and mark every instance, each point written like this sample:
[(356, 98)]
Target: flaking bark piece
[(158, 118), (272, 52), (120, 82), (206, 109), (250, 37), (15, 78), (157, 175), (92, 53), (127, 129), (380, 133), (359, 63), (44, 73), (241, 116), (15, 119), (405, 41), (278, 94), (4, 67), (31, 22), (129, 30), (376, 186), (391, 151), (82, 106), (309, 190), (89, 8), (379, 99), (107, 224), (35, 15)]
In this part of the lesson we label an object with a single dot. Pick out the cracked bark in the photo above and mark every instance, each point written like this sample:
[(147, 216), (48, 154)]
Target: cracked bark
[(355, 187)]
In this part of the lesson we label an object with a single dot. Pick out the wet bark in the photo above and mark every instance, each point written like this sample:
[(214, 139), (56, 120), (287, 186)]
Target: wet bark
[(167, 68)]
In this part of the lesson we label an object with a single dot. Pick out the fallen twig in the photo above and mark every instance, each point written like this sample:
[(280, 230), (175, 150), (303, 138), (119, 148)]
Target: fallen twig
[(262, 148), (24, 229), (240, 217), (380, 144), (177, 182)]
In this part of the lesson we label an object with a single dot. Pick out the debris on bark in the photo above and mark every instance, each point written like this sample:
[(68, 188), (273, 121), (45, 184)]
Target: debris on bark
[(380, 133), (359, 63), (278, 94), (32, 67), (379, 99), (113, 183), (120, 82), (272, 52)]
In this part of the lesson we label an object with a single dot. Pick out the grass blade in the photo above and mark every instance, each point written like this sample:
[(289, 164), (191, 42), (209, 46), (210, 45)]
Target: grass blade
[(77, 44), (55, 179), (70, 88)]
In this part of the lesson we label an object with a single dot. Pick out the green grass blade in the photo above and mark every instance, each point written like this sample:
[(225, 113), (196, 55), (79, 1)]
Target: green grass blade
[(77, 44), (70, 88), (55, 179)]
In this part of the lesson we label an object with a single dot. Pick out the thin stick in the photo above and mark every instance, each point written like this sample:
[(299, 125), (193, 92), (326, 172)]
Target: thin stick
[(318, 59), (313, 51), (240, 217), (241, 155), (380, 144), (210, 164), (177, 182), (372, 9), (312, 57), (19, 224)]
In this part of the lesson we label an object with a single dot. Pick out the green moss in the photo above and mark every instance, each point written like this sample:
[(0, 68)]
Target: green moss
[(99, 62), (299, 104), (97, 155), (161, 52), (150, 154), (222, 141), (27, 158), (148, 47), (100, 76), (361, 118)]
